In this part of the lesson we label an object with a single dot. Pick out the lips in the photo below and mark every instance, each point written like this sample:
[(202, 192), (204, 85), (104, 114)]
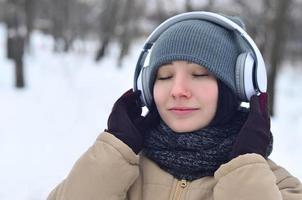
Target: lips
[(182, 111)]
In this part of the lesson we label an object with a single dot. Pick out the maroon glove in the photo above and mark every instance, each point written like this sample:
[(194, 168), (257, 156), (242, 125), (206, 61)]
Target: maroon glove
[(255, 135), (125, 121)]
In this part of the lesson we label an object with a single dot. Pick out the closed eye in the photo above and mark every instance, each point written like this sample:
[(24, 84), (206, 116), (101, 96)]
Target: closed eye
[(200, 75), (164, 78)]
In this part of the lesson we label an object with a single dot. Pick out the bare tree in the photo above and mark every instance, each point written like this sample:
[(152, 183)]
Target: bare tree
[(279, 28), (161, 13), (188, 6), (131, 13), (126, 29), (29, 8), (16, 33), (294, 41), (108, 19), (61, 30)]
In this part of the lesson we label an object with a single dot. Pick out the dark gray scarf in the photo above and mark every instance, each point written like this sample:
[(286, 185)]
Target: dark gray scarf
[(195, 154)]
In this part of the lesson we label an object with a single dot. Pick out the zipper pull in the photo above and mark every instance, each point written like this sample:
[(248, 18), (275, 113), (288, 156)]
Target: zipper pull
[(183, 183)]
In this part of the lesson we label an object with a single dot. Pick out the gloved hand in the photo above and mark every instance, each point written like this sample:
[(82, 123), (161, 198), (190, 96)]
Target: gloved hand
[(254, 136), (125, 121)]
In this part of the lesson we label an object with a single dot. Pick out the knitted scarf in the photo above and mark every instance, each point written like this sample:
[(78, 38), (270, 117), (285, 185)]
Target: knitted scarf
[(193, 155)]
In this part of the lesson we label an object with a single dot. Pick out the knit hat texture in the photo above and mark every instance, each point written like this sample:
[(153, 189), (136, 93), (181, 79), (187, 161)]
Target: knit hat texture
[(201, 42)]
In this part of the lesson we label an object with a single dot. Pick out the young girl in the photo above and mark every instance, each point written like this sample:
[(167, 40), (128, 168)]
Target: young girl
[(196, 142)]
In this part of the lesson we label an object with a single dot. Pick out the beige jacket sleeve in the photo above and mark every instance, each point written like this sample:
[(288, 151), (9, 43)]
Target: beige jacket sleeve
[(250, 177), (105, 171), (289, 186)]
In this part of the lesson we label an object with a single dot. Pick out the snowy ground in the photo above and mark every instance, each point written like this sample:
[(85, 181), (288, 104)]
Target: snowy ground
[(45, 127)]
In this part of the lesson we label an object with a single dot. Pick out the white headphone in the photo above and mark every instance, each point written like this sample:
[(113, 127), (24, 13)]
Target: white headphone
[(250, 71)]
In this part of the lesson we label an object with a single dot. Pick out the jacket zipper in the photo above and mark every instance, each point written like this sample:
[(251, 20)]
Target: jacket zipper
[(180, 186)]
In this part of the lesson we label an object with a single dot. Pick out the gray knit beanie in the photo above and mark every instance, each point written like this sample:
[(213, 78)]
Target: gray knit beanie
[(200, 42)]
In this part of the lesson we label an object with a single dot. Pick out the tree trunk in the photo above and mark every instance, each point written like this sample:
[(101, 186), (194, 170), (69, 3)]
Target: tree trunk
[(279, 39), (20, 83), (188, 6), (61, 27), (108, 20), (101, 51), (30, 15), (15, 21), (127, 30)]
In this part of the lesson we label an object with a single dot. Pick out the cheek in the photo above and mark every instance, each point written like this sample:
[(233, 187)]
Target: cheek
[(212, 92), (210, 95), (214, 98), (158, 95)]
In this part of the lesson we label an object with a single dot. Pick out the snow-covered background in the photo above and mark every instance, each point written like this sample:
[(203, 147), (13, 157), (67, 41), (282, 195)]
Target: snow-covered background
[(45, 127)]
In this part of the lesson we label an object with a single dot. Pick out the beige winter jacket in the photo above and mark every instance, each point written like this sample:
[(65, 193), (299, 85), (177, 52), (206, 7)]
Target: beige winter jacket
[(109, 170)]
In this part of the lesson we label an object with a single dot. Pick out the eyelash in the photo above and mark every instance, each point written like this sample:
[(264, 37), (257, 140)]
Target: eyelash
[(200, 75), (164, 78), (194, 75)]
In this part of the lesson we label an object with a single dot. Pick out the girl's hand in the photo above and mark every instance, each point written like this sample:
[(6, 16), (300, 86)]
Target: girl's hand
[(254, 136)]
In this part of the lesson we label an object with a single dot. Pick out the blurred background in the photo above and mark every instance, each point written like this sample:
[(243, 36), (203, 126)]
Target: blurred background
[(63, 63)]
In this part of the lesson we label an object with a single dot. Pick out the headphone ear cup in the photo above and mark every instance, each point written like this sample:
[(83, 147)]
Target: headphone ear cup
[(140, 78), (244, 73), (145, 82), (260, 78), (140, 87)]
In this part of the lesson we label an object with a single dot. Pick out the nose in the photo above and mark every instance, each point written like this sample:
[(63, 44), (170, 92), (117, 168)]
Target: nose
[(180, 88)]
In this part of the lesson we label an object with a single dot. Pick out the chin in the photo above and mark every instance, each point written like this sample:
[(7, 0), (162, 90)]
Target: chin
[(185, 125), (185, 129)]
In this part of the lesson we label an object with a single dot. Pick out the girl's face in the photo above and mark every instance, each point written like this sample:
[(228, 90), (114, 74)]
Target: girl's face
[(185, 95)]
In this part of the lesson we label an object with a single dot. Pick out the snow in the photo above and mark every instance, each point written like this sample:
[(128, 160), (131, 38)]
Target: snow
[(46, 126)]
